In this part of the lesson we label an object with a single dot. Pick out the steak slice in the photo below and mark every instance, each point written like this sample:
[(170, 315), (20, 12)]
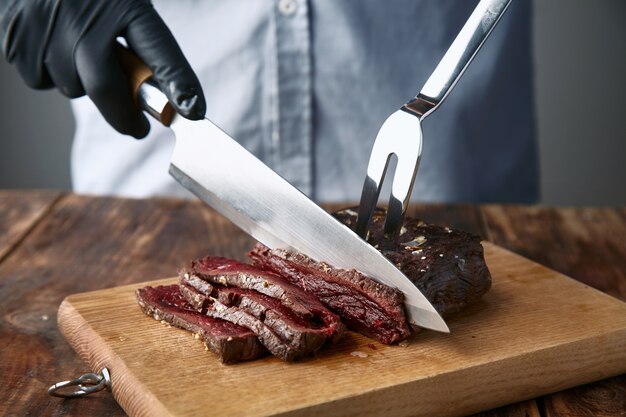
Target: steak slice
[(218, 270), (228, 272), (231, 343), (307, 335), (229, 290), (447, 265), (364, 305), (248, 314), (196, 291)]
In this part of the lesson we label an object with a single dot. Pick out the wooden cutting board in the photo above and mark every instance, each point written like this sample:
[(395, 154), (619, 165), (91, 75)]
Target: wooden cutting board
[(535, 332)]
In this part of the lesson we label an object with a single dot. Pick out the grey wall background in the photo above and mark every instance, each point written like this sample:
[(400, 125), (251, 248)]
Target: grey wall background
[(580, 63)]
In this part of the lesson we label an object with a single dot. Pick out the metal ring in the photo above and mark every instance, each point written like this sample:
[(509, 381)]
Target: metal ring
[(86, 383)]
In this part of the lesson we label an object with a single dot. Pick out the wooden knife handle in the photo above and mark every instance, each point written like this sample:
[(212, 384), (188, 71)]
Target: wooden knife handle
[(145, 90)]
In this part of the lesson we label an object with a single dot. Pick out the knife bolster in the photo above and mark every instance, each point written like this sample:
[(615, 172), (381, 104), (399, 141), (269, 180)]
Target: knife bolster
[(145, 90), (154, 102)]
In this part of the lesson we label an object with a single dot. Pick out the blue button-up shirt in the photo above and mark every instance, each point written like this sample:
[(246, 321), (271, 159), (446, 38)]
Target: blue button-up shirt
[(305, 85)]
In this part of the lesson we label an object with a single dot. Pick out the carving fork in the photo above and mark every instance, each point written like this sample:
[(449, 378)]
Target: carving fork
[(401, 134)]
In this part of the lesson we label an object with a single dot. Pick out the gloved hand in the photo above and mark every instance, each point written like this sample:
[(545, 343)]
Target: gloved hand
[(69, 44)]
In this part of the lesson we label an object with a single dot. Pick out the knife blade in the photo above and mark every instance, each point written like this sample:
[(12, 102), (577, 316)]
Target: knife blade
[(243, 189), (222, 173)]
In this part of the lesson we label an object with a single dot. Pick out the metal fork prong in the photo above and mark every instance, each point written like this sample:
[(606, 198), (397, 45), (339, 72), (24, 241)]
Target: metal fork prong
[(376, 170), (403, 180)]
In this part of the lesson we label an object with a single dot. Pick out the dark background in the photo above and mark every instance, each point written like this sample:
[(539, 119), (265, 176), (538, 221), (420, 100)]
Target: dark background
[(580, 64)]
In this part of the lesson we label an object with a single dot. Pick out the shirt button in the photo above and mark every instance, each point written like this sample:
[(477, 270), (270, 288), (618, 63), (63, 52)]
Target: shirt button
[(287, 7)]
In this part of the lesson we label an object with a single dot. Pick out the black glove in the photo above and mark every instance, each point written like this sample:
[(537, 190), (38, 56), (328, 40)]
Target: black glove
[(70, 45)]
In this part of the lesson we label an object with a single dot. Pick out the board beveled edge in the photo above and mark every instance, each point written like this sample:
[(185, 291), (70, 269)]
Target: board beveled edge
[(83, 339)]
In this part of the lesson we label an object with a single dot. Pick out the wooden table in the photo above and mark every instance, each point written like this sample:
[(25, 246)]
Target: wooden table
[(53, 244)]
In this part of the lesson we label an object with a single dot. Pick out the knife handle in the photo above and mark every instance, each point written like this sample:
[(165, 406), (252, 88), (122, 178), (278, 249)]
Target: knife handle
[(145, 90)]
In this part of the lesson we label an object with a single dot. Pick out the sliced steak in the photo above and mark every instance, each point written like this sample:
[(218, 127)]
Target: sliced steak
[(217, 270), (232, 343), (305, 334), (447, 265), (228, 272), (249, 314), (364, 305), (196, 291), (229, 290)]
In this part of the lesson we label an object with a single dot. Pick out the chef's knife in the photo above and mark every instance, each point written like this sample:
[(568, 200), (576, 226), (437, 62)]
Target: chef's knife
[(239, 186)]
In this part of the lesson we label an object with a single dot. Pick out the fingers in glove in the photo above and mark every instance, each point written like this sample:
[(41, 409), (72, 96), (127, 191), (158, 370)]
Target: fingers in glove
[(24, 40), (59, 57), (106, 84), (148, 36), (64, 76)]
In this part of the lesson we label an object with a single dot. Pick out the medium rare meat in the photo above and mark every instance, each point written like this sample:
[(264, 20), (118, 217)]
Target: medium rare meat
[(282, 301), (364, 305), (251, 318), (231, 343), (218, 270), (306, 334), (229, 290), (447, 265)]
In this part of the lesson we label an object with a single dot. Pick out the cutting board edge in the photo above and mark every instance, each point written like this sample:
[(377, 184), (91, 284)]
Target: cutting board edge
[(82, 338)]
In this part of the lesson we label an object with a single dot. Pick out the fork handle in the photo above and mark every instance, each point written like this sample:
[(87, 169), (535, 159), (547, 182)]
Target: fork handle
[(467, 43)]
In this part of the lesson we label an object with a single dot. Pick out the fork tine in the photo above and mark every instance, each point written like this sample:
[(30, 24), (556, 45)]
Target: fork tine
[(401, 189), (391, 140), (376, 170)]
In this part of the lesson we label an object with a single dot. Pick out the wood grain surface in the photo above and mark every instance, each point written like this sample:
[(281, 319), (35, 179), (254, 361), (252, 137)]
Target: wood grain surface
[(603, 399), (586, 244), (523, 409), (86, 243), (19, 212), (82, 244)]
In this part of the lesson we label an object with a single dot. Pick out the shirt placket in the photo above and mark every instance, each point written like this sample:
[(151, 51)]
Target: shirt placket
[(291, 135)]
